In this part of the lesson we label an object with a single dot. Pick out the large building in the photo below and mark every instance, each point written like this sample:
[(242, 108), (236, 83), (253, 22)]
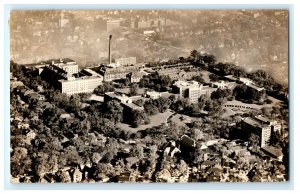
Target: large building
[(178, 74), (275, 126), (83, 84), (190, 90), (67, 65), (64, 75), (135, 76), (126, 61), (262, 127), (116, 73)]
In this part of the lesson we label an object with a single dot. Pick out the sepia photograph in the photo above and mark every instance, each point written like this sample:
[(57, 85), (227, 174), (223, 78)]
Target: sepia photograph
[(149, 96)]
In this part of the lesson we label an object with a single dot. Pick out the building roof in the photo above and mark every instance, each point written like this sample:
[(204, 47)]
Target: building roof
[(135, 74), (80, 78), (263, 119), (273, 151), (97, 98), (119, 96), (254, 123), (91, 72), (190, 84), (231, 77), (125, 100), (153, 93), (255, 87), (188, 141)]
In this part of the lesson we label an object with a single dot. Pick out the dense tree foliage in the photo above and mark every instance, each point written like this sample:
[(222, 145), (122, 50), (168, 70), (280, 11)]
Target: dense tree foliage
[(105, 87), (157, 82)]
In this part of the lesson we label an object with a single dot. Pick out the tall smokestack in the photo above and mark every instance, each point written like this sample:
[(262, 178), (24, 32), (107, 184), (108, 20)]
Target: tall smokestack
[(109, 56)]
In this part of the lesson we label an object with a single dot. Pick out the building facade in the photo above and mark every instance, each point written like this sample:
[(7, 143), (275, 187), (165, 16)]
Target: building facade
[(252, 125), (79, 85), (64, 75), (190, 90)]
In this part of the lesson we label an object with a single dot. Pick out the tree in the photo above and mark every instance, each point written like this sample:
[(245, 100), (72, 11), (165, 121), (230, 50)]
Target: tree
[(113, 110), (221, 94), (104, 88), (162, 104), (195, 54), (157, 82), (180, 104), (254, 140), (208, 59), (50, 115), (74, 104), (139, 117), (133, 91), (198, 78), (150, 108), (240, 91), (202, 101), (140, 102), (239, 72), (213, 77)]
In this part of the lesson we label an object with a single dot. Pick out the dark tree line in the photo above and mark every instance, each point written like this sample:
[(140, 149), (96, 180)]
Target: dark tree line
[(160, 83)]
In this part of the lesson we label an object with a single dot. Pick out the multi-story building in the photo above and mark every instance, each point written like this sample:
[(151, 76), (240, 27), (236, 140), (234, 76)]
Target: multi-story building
[(67, 65), (83, 84), (63, 74), (115, 73), (135, 76), (190, 90), (275, 126), (126, 61), (177, 74), (262, 130)]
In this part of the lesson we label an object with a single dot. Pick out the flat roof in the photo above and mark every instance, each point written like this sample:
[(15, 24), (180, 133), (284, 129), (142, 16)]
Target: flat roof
[(80, 78), (263, 119), (254, 123), (94, 73), (256, 87), (187, 84), (133, 106), (273, 150)]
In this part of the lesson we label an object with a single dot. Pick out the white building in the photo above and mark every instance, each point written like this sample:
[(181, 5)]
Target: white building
[(84, 84), (188, 89)]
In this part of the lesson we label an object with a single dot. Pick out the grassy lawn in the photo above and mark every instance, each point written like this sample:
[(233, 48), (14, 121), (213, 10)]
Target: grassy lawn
[(181, 120), (155, 120)]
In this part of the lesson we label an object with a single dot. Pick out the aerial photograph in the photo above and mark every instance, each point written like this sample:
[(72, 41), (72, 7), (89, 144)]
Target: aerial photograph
[(149, 96)]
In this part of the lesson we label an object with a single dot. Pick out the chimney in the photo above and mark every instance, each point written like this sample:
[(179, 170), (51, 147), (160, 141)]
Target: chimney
[(109, 55)]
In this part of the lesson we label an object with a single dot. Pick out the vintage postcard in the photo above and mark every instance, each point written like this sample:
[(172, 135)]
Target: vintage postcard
[(149, 96)]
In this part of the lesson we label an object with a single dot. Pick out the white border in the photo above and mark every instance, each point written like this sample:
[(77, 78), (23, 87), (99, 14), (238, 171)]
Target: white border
[(295, 68)]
